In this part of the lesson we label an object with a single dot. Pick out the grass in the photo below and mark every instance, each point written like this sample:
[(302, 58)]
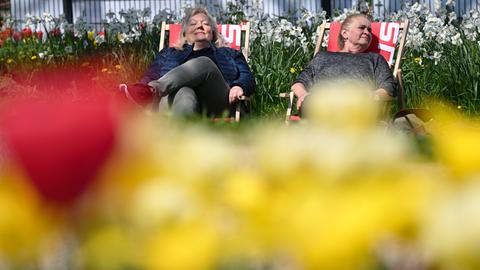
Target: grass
[(454, 79), (275, 68)]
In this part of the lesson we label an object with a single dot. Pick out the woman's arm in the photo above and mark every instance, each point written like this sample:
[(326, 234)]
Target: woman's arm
[(153, 72), (383, 95), (304, 80), (385, 81), (245, 80)]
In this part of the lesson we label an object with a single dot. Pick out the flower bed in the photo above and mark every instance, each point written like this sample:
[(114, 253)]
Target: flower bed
[(440, 61)]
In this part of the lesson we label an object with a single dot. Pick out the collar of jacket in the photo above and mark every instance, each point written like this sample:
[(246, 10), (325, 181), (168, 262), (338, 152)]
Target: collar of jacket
[(189, 47)]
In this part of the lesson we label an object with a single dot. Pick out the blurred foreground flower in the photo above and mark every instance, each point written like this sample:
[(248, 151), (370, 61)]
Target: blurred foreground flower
[(60, 145), (343, 104), (456, 142), (341, 193), (25, 224)]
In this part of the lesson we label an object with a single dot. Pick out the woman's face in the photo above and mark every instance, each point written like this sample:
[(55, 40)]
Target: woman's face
[(198, 29), (359, 35)]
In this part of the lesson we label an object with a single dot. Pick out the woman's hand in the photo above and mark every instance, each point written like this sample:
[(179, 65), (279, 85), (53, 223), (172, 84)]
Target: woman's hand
[(235, 93), (300, 92), (382, 95)]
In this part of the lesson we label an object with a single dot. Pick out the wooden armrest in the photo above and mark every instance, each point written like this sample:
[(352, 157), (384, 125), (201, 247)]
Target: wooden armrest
[(400, 90)]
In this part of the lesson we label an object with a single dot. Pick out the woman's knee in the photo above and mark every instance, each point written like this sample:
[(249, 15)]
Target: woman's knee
[(185, 101)]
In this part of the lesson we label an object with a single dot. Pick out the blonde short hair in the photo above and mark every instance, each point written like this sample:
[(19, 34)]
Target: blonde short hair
[(217, 38)]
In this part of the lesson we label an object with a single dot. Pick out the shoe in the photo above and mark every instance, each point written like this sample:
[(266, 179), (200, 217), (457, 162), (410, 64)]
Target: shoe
[(140, 94)]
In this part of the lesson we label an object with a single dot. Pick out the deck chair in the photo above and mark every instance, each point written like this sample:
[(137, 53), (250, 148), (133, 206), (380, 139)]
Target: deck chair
[(231, 32), (388, 39)]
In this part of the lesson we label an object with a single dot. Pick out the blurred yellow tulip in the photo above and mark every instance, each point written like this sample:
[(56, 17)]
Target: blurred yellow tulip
[(110, 247), (456, 142), (25, 224), (344, 105), (192, 245)]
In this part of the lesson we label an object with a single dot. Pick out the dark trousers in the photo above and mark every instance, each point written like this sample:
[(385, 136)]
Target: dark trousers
[(194, 87)]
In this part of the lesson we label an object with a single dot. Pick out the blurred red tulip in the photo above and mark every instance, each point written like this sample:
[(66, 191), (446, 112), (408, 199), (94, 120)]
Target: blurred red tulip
[(39, 34), (17, 36), (27, 32), (4, 34), (60, 145), (55, 32), (1, 42), (9, 31)]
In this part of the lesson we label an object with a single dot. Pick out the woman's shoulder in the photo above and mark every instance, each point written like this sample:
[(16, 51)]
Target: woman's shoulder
[(323, 55), (372, 55), (228, 51), (332, 54), (173, 51), (375, 58), (167, 51), (327, 55)]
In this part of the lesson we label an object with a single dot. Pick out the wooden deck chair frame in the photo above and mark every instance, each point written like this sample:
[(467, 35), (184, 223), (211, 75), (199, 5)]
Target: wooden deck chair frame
[(245, 28), (397, 72)]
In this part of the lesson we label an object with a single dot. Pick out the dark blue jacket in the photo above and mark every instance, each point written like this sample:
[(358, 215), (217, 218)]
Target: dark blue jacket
[(231, 63)]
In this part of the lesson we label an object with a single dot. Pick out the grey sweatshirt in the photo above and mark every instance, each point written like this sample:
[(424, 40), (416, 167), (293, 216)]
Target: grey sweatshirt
[(369, 67)]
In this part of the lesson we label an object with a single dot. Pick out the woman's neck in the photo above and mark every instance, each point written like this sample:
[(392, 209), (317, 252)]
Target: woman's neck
[(353, 49), (200, 45)]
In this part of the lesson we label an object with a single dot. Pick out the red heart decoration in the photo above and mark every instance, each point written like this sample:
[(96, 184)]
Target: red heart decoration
[(60, 145)]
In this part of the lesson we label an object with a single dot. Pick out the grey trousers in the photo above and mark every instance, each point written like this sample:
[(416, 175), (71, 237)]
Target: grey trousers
[(194, 87)]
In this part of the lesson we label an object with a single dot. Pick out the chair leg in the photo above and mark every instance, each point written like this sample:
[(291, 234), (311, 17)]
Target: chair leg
[(237, 112), (289, 109)]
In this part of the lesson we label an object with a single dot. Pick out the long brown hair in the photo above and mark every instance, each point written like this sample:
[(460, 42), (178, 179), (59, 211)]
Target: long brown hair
[(217, 38)]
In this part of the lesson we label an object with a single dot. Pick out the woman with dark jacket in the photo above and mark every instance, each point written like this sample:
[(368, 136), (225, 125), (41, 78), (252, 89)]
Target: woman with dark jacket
[(199, 74)]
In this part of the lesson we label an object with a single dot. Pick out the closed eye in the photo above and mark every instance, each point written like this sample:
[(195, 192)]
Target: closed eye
[(363, 27)]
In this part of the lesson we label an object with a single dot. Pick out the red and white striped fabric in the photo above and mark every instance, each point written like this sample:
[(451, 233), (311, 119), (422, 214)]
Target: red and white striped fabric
[(231, 32), (384, 38)]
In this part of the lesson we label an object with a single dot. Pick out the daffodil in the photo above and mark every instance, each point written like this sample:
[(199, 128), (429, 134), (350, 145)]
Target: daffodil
[(22, 220), (192, 245), (91, 35), (122, 250), (455, 141)]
